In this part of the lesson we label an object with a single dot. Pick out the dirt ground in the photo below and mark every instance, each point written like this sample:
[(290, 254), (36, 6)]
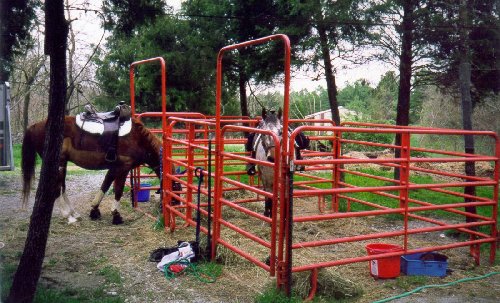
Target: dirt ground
[(85, 255)]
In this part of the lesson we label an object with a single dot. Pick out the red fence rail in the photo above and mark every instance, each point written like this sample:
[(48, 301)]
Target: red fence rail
[(187, 137)]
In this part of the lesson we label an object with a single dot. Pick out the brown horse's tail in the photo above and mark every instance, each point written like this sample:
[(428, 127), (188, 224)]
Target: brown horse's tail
[(28, 161)]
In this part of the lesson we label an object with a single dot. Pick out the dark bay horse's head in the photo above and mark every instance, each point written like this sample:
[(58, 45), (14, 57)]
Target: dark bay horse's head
[(271, 121)]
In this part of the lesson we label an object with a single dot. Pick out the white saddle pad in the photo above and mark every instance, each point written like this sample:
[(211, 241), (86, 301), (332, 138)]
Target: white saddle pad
[(98, 128)]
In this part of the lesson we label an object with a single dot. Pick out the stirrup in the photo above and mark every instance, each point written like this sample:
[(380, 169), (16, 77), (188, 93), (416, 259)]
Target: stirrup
[(111, 155)]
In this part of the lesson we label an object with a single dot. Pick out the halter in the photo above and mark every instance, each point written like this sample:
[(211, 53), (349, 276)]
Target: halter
[(267, 147)]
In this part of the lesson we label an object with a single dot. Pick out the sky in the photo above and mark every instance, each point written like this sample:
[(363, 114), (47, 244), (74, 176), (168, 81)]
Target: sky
[(88, 28)]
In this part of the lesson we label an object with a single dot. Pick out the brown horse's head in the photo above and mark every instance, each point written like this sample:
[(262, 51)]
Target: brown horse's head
[(152, 145)]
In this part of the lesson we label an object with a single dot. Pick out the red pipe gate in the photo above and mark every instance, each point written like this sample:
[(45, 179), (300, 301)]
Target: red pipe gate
[(337, 176)]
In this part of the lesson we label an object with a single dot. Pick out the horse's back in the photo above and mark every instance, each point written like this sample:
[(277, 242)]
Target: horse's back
[(36, 132)]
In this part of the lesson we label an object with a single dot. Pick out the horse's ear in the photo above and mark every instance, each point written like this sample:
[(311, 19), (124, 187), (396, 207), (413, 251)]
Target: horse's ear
[(264, 113), (280, 113)]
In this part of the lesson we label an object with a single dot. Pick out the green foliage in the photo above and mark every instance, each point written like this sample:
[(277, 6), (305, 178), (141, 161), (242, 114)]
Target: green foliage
[(375, 105), (383, 102), (16, 150), (355, 96), (272, 295), (443, 37), (16, 24), (122, 17), (189, 67)]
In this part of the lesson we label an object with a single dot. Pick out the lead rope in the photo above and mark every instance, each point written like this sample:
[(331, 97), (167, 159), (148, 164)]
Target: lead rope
[(183, 266), (198, 216), (178, 267)]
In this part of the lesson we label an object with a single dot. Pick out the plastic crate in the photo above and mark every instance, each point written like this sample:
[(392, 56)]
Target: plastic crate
[(432, 264)]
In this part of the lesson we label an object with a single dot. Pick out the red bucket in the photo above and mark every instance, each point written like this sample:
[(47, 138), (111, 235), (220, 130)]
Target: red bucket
[(384, 268)]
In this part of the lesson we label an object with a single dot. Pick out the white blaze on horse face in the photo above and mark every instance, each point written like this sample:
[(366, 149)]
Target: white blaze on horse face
[(98, 199)]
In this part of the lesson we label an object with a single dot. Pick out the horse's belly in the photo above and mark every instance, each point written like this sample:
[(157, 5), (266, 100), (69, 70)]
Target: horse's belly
[(89, 160)]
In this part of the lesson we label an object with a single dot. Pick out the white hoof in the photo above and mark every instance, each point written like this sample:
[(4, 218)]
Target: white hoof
[(76, 215), (72, 220)]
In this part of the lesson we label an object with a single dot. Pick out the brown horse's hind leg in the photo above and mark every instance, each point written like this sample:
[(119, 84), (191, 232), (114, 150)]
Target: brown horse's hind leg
[(73, 214), (68, 210)]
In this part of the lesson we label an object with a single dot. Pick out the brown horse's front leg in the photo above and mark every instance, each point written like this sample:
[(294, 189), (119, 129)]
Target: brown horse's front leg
[(119, 184), (268, 209), (95, 213)]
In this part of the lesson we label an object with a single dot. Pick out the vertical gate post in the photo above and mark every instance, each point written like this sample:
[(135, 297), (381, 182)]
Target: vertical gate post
[(404, 179), (337, 175)]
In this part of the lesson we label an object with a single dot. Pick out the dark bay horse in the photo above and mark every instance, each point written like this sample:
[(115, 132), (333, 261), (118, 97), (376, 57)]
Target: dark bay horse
[(139, 147)]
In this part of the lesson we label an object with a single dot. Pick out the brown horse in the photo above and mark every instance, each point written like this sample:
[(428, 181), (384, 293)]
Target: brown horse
[(139, 147)]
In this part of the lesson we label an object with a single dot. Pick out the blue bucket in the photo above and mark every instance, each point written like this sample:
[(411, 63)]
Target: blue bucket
[(143, 194)]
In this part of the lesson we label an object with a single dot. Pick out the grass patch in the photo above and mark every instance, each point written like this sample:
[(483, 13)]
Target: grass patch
[(409, 282), (48, 295), (420, 194), (272, 295), (45, 295), (99, 261), (111, 274), (16, 149)]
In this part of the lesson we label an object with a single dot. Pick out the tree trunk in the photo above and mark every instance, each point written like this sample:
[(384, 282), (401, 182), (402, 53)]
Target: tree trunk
[(30, 79), (242, 81), (71, 55), (464, 71), (405, 72), (331, 86), (30, 266), (26, 106), (30, 74)]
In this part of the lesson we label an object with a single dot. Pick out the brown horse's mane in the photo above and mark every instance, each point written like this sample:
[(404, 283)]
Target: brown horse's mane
[(145, 133)]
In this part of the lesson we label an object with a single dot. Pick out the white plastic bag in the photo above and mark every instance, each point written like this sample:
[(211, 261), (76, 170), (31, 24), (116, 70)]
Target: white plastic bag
[(185, 252)]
